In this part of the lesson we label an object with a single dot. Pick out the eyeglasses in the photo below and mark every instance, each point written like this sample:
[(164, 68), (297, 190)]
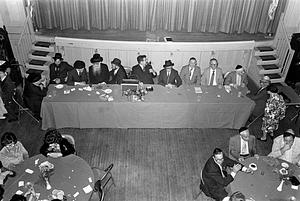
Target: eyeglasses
[(10, 145)]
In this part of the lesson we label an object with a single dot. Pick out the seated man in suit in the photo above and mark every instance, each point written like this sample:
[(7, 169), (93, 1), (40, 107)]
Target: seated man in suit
[(215, 178), (118, 73), (213, 75), (143, 71), (287, 147), (98, 72), (237, 78), (260, 97), (191, 74), (242, 146), (169, 77), (58, 70), (78, 75)]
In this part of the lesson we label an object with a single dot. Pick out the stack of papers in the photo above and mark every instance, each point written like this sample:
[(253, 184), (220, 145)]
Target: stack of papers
[(198, 90)]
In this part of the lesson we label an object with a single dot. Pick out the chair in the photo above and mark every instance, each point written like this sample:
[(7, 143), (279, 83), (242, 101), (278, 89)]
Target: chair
[(104, 182), (16, 98)]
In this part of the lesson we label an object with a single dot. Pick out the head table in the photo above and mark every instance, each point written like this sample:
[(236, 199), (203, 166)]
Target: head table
[(162, 108), (263, 183), (71, 174)]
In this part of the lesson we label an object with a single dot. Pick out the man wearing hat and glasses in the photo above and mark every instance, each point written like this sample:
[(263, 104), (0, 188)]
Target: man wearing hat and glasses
[(118, 73), (168, 76), (237, 78), (98, 72), (77, 76), (260, 98), (287, 147), (58, 70)]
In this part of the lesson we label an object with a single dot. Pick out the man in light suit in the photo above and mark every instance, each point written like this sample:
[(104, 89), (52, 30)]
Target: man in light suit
[(191, 74), (237, 78), (242, 146), (260, 98), (78, 75), (215, 178), (213, 75), (168, 76)]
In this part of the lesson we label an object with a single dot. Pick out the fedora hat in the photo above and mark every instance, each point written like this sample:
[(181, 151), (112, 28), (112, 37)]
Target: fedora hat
[(96, 58), (58, 56), (34, 77), (79, 64), (168, 63), (116, 61)]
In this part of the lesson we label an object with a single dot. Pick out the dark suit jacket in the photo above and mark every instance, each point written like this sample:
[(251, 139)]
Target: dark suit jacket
[(61, 73), (144, 76), (214, 183), (260, 98), (74, 77), (66, 148), (98, 78), (7, 90), (235, 146), (33, 96), (117, 78), (174, 78)]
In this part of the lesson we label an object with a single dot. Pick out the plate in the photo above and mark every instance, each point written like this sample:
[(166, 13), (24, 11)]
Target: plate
[(285, 165), (253, 166), (283, 171), (59, 86), (107, 91)]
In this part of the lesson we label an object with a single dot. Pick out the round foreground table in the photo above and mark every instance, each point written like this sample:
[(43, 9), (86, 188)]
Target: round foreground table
[(71, 174), (262, 184)]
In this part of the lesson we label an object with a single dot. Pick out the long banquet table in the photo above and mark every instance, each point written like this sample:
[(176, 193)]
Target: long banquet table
[(163, 108)]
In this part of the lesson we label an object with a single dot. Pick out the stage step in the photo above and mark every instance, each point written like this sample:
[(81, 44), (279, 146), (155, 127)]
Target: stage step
[(41, 55), (43, 46), (264, 51), (267, 60), (275, 77), (38, 64), (268, 69)]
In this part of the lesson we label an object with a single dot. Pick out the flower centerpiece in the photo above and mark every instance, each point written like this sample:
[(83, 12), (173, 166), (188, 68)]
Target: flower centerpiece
[(46, 169), (136, 94)]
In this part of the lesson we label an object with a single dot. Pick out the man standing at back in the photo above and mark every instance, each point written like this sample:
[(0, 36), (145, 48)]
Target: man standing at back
[(191, 74), (143, 71)]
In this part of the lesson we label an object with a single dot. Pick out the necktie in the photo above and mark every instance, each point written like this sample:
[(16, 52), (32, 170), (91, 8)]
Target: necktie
[(211, 82), (168, 76)]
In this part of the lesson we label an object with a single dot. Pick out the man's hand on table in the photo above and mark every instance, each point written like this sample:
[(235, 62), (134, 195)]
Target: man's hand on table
[(241, 159), (236, 168), (286, 147)]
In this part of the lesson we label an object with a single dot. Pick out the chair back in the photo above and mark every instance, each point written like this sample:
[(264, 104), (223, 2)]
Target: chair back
[(70, 139)]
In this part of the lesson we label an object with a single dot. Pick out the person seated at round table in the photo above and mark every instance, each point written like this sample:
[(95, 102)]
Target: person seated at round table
[(237, 78), (236, 196), (215, 179), (98, 72), (55, 145), (212, 75), (12, 152), (78, 75), (287, 147), (34, 92), (118, 73), (168, 76), (242, 146)]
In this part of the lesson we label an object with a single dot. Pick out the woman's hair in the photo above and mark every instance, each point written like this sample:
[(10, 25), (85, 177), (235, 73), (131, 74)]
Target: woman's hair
[(7, 138), (52, 136), (272, 88)]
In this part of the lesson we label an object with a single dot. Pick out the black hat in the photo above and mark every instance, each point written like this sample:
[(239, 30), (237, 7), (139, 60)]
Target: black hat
[(96, 58), (116, 61), (34, 77), (58, 56), (79, 64), (168, 63), (238, 67)]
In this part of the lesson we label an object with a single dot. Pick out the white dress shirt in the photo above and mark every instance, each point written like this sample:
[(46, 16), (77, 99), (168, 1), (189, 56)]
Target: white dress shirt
[(244, 147), (116, 71), (191, 71), (215, 77), (238, 79)]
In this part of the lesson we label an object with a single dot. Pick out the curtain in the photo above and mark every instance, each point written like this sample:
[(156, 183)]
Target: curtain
[(228, 16)]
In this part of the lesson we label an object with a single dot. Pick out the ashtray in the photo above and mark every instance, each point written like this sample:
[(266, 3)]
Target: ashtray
[(59, 86), (253, 166), (283, 171), (285, 165)]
